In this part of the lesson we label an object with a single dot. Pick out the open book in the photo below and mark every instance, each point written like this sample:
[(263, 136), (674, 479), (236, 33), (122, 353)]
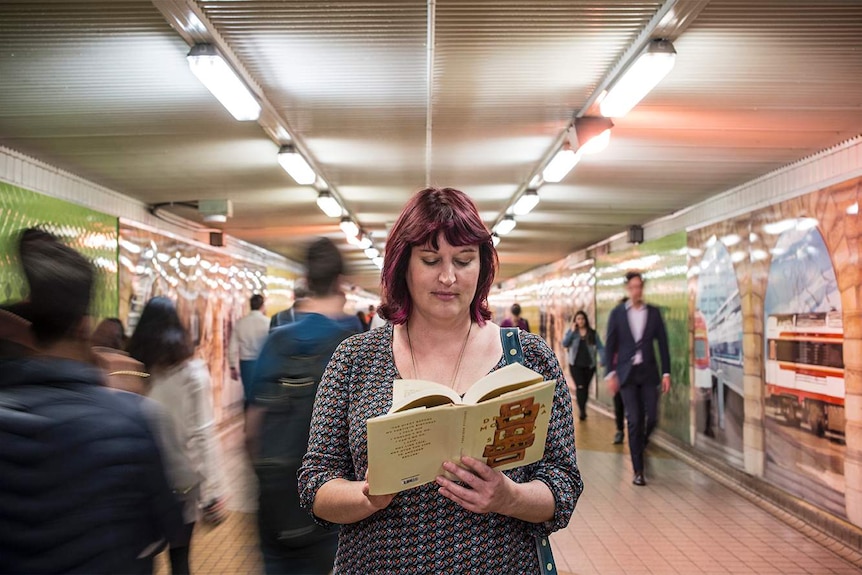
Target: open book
[(501, 420)]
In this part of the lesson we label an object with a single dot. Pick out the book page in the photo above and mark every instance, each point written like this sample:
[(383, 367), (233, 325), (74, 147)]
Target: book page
[(408, 449), (410, 393), (505, 379), (510, 430)]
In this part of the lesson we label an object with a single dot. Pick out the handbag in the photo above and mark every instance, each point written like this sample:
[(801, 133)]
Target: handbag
[(511, 340)]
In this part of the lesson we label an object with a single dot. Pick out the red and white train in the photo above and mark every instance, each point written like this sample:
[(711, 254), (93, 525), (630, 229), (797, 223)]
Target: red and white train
[(805, 369)]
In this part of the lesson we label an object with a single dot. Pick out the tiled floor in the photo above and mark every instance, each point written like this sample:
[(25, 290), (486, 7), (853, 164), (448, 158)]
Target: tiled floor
[(682, 522)]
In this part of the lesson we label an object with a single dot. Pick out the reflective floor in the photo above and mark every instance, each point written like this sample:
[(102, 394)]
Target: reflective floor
[(680, 522)]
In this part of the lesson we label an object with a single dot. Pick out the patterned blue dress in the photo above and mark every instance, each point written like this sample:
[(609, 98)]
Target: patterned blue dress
[(421, 531)]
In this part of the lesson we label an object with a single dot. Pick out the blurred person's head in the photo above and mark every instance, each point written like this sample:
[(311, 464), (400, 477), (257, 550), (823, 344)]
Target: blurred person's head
[(324, 268), (300, 292), (61, 283), (581, 320), (109, 333), (437, 221), (635, 287), (160, 339), (515, 310), (256, 302)]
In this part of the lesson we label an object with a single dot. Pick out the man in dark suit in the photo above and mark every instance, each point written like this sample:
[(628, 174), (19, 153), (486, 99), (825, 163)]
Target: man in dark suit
[(633, 329)]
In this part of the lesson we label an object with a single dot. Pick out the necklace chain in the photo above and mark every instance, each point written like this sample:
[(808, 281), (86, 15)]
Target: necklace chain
[(460, 355)]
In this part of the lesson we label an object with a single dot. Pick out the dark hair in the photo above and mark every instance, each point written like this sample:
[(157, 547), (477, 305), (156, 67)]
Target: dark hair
[(256, 301), (591, 333), (516, 309), (110, 333), (300, 289), (324, 265), (634, 274), (160, 339), (61, 283), (429, 213)]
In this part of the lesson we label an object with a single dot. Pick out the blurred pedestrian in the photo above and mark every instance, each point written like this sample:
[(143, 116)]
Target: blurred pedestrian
[(181, 384), (277, 422), (634, 328), (83, 485), (582, 343), (516, 320), (246, 341)]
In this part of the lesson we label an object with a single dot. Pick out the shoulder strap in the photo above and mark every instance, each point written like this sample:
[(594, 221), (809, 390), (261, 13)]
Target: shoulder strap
[(514, 353), (511, 339)]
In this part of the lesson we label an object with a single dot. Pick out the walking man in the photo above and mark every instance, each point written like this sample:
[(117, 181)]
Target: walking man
[(633, 329), (246, 341)]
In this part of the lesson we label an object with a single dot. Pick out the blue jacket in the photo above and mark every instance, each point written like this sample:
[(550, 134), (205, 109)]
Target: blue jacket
[(620, 344), (82, 487), (572, 340)]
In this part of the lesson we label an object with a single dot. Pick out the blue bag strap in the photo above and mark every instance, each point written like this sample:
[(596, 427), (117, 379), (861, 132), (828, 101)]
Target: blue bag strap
[(514, 353), (511, 340)]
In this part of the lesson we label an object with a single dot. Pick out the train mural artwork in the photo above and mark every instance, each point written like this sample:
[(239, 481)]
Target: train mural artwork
[(718, 357)]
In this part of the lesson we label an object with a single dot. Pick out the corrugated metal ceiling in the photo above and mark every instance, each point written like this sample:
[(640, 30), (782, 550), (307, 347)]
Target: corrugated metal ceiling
[(102, 89)]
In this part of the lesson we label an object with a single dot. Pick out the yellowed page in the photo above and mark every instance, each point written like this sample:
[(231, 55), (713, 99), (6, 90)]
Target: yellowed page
[(408, 449), (410, 393), (509, 431), (503, 380)]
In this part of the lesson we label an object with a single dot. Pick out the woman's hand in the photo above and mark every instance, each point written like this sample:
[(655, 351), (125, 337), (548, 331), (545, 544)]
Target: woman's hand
[(485, 490), (378, 502)]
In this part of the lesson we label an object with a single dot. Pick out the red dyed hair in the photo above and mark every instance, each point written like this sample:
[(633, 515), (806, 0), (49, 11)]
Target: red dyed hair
[(428, 214)]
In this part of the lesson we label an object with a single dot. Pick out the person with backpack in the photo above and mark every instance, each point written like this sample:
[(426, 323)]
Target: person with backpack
[(288, 372)]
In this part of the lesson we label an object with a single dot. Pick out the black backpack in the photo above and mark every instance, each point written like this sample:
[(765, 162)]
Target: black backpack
[(283, 442)]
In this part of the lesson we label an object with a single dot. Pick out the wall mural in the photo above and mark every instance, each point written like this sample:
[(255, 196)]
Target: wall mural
[(803, 351), (715, 254), (781, 281), (211, 290), (92, 233), (549, 301)]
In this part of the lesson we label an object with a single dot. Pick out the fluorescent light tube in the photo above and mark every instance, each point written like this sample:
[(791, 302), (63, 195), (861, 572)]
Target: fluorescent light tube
[(647, 71), (596, 144), (378, 261), (526, 203), (561, 165), (349, 227), (214, 73), (506, 225), (328, 204), (496, 239), (295, 165), (372, 252), (364, 242)]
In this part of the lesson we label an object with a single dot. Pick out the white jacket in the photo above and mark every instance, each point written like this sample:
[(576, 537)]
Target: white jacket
[(185, 393)]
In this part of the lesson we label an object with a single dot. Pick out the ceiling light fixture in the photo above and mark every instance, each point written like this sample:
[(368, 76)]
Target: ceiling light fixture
[(363, 242), (378, 261), (526, 203), (495, 238), (295, 165), (506, 225), (590, 134), (653, 64), (372, 252), (349, 227), (562, 164), (214, 72), (328, 204)]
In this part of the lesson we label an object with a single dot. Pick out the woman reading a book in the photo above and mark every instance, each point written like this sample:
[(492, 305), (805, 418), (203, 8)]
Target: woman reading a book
[(439, 267)]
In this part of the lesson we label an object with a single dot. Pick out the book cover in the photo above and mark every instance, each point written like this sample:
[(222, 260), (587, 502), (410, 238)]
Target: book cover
[(502, 420)]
